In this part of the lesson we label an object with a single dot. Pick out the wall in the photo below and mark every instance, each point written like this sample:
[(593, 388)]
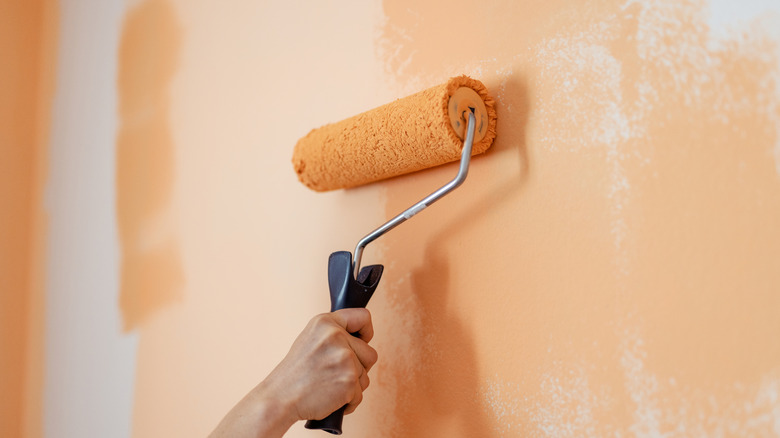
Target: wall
[(26, 42), (89, 362), (19, 46), (610, 268), (248, 81)]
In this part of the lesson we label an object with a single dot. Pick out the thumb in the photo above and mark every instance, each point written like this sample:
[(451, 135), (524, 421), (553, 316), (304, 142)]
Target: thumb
[(355, 321)]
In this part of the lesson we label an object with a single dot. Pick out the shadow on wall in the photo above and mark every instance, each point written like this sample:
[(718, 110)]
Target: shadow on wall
[(151, 273), (671, 131), (444, 387)]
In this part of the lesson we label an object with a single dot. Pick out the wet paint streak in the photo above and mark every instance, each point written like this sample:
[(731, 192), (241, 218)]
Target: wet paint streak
[(28, 42), (151, 274), (36, 344)]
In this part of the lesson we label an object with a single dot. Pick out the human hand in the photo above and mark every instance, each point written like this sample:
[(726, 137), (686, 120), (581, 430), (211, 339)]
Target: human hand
[(325, 369)]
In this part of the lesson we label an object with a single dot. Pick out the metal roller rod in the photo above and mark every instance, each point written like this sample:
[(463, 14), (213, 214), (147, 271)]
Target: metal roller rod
[(465, 159)]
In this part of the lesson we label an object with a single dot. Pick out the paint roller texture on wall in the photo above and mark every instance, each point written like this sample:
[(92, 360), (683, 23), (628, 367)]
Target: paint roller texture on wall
[(414, 133)]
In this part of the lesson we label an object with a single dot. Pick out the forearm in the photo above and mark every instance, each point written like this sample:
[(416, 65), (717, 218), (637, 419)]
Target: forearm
[(325, 369), (256, 416)]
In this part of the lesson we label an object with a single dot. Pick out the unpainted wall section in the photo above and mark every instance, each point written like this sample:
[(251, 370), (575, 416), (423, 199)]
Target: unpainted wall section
[(89, 361)]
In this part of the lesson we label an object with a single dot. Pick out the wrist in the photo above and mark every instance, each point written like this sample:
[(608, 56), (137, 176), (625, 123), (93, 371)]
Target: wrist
[(260, 414), (272, 409)]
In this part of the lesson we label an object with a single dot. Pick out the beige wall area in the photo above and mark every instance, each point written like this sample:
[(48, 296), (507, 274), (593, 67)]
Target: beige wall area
[(611, 267)]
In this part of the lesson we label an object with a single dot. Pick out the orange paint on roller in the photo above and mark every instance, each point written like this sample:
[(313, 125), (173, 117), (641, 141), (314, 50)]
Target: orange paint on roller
[(410, 134)]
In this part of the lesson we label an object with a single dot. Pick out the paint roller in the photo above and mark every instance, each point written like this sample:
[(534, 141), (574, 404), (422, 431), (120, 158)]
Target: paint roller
[(445, 123)]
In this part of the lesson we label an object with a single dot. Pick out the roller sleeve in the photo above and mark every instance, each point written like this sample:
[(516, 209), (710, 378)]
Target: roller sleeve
[(410, 134)]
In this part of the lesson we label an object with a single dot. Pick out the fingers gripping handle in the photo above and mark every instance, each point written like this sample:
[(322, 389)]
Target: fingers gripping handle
[(346, 292)]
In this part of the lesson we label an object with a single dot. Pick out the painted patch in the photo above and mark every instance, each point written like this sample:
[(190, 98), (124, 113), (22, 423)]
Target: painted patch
[(151, 273)]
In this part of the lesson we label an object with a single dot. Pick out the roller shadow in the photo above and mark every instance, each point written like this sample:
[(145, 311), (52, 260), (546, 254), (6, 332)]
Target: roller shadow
[(445, 387)]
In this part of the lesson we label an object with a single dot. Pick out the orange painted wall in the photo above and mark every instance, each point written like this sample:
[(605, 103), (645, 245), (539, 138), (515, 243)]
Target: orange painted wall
[(19, 27), (25, 93), (613, 266), (610, 268)]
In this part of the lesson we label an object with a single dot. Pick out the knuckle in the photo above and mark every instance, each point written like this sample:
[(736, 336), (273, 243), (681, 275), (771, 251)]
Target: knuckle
[(344, 359), (320, 320), (317, 319), (347, 391), (353, 404), (351, 374), (373, 356), (365, 382), (328, 336), (331, 335)]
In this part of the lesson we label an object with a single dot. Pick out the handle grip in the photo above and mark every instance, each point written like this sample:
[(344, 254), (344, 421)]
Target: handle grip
[(346, 292)]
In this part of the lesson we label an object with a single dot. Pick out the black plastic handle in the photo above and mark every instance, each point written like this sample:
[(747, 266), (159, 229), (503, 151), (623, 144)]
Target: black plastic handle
[(346, 292)]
